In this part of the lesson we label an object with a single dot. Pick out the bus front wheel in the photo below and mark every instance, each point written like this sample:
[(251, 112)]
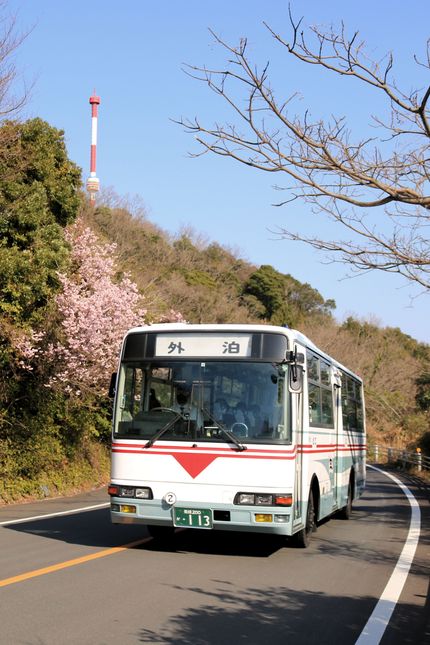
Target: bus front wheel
[(303, 537)]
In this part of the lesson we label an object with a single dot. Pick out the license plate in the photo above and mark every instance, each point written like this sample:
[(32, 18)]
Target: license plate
[(199, 518)]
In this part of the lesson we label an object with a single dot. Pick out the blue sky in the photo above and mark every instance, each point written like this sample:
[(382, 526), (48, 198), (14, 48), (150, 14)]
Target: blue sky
[(133, 54)]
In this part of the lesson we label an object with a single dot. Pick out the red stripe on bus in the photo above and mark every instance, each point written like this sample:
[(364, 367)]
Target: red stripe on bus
[(227, 455), (125, 447), (175, 446)]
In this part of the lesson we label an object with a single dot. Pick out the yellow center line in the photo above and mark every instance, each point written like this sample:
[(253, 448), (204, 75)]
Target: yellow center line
[(70, 563)]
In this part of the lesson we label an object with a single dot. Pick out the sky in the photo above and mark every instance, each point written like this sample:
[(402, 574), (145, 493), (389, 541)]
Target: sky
[(133, 55)]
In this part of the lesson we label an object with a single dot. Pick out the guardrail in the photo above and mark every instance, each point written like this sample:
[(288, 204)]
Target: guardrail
[(402, 458)]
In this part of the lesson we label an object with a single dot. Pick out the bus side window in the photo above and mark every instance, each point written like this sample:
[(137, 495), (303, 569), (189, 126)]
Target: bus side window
[(314, 404), (131, 402), (352, 404), (320, 392), (327, 407)]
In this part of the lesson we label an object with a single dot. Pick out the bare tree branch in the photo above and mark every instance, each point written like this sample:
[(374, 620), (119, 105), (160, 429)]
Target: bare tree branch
[(10, 41), (320, 161)]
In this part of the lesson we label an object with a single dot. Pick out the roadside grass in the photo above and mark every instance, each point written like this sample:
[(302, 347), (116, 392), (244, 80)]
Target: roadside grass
[(85, 471)]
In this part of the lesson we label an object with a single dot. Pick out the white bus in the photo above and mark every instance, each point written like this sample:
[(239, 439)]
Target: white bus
[(234, 427)]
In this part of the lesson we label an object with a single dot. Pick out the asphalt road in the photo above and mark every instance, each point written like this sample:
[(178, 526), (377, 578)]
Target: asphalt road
[(63, 579)]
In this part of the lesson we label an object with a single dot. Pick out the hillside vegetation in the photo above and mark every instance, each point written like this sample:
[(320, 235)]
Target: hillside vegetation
[(204, 281), (73, 278), (209, 283)]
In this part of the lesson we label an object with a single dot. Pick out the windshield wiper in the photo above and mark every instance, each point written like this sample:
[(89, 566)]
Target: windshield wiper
[(219, 425), (163, 430), (231, 436), (226, 432)]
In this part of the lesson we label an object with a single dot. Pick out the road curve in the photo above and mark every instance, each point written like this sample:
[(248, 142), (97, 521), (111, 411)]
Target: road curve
[(76, 579)]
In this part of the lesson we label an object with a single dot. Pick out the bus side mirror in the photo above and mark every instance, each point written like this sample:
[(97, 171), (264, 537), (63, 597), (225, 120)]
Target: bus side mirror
[(296, 378), (112, 386)]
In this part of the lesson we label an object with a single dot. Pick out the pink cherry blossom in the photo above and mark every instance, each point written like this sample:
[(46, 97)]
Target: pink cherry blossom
[(95, 308)]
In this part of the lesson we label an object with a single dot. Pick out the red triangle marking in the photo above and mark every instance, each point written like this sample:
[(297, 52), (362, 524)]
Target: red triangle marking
[(194, 463)]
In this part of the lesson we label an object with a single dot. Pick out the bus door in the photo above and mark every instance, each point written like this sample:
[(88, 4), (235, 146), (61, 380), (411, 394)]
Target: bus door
[(297, 398), (338, 437)]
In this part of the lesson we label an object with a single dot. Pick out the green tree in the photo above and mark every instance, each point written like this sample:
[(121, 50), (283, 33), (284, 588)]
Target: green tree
[(423, 391), (286, 301), (39, 195), (267, 285)]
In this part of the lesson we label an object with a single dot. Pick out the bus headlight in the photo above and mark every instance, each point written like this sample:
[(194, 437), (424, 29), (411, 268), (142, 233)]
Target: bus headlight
[(141, 492), (126, 491), (245, 498), (264, 499)]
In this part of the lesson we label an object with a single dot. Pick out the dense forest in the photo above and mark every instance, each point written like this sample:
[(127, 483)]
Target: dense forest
[(74, 277)]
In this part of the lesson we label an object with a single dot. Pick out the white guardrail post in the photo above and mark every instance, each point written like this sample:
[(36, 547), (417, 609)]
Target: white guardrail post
[(401, 457), (419, 460)]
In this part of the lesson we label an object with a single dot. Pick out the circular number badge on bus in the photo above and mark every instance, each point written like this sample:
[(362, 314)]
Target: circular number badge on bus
[(170, 498)]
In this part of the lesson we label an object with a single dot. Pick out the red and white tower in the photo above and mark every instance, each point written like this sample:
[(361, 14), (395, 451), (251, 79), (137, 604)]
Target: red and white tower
[(93, 183)]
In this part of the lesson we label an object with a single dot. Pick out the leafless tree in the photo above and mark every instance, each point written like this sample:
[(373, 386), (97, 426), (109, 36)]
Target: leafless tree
[(376, 189), (12, 98), (11, 38)]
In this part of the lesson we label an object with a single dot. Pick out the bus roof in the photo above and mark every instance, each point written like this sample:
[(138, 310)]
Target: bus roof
[(293, 335)]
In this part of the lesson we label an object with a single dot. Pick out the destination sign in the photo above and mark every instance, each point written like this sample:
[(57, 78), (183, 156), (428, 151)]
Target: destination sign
[(203, 345)]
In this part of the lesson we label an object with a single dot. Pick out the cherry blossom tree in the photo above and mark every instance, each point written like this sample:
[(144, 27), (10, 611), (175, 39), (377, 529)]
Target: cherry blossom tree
[(96, 308)]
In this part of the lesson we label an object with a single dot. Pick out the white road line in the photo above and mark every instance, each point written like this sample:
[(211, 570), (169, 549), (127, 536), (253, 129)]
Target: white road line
[(378, 621), (48, 515)]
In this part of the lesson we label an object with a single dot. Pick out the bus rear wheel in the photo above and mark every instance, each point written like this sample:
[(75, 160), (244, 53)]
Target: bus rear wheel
[(345, 512), (303, 537)]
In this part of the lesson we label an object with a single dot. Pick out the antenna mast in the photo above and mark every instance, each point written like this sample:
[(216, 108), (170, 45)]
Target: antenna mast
[(93, 184)]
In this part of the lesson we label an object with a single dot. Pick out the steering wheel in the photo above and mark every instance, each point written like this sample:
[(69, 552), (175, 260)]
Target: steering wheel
[(177, 414), (239, 429)]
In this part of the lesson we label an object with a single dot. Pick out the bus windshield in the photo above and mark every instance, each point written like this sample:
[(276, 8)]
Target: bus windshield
[(200, 400)]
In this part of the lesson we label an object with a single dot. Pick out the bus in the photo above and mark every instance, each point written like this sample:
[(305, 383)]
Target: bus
[(236, 428)]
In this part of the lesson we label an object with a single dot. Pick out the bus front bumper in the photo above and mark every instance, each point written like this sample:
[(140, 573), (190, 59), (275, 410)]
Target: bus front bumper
[(224, 517)]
